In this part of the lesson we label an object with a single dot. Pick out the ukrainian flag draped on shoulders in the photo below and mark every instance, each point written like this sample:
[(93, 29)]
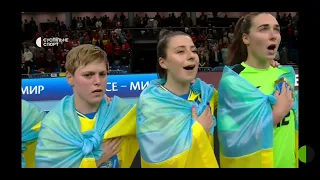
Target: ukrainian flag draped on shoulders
[(62, 145), (31, 117), (245, 121), (168, 136)]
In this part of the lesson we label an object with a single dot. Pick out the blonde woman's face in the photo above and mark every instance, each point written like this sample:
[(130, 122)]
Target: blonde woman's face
[(89, 82)]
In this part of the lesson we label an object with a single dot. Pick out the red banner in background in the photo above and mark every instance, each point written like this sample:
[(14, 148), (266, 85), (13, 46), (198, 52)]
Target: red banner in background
[(214, 78)]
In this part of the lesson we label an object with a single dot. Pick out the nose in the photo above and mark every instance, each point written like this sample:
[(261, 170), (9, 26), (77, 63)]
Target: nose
[(96, 80), (191, 55), (273, 35)]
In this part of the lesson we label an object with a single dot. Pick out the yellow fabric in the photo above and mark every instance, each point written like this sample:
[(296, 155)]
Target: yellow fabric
[(88, 163), (201, 153), (94, 41), (263, 159), (124, 128), (29, 154), (105, 42), (37, 127)]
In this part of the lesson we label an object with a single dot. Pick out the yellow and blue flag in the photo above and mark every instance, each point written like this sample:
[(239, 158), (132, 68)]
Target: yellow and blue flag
[(168, 136), (31, 117), (245, 122), (62, 145)]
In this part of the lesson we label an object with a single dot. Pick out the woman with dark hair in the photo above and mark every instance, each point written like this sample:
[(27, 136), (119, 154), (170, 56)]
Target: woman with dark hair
[(175, 119), (257, 112)]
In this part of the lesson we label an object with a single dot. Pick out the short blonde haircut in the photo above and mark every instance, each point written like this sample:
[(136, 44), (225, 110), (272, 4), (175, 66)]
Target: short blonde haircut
[(83, 55)]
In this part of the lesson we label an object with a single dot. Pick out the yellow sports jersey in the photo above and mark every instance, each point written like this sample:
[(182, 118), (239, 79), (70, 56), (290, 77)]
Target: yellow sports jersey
[(129, 146), (31, 149)]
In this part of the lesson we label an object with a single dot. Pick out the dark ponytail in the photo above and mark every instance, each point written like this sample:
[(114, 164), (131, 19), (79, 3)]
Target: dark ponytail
[(161, 52), (238, 51)]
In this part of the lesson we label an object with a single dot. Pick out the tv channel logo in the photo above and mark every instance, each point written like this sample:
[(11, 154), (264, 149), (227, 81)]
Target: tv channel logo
[(50, 42)]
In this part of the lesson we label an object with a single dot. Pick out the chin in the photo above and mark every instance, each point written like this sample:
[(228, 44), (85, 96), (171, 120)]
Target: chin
[(189, 79), (268, 57), (96, 100)]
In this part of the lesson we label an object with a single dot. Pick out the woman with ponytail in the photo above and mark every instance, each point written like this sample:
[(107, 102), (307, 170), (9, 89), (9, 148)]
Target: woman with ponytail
[(257, 112), (175, 119)]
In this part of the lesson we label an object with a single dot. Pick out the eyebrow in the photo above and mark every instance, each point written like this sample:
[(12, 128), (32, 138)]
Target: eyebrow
[(266, 25), (185, 47), (92, 72)]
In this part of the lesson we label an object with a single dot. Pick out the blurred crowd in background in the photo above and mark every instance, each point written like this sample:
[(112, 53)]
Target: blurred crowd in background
[(212, 37)]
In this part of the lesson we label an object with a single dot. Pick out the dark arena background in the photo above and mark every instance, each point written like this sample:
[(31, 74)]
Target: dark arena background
[(130, 40)]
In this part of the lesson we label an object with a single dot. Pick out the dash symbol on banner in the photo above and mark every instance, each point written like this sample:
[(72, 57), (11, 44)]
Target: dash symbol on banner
[(123, 86)]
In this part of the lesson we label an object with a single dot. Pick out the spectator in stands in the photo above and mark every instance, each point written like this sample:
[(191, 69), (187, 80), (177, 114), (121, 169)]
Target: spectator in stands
[(129, 38), (230, 35), (283, 56), (101, 32), (215, 56), (203, 19), (58, 55), (145, 20), (224, 53), (109, 51), (137, 21), (122, 17), (25, 66), (51, 62), (57, 22), (225, 39), (117, 51), (125, 52), (79, 24), (28, 56), (63, 27), (99, 24)]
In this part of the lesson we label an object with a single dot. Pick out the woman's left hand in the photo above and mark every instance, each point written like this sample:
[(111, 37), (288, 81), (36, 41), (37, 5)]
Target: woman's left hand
[(274, 63)]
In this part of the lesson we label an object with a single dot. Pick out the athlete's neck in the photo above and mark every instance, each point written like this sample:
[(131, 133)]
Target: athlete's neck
[(177, 88), (84, 107), (257, 63)]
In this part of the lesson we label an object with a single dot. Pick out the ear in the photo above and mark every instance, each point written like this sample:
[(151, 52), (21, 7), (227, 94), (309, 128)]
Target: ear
[(162, 63), (245, 39), (69, 77)]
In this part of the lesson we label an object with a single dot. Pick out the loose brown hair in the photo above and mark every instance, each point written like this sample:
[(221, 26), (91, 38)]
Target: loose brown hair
[(83, 55), (238, 51)]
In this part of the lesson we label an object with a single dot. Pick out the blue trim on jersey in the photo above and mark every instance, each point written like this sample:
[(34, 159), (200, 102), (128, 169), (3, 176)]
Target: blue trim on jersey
[(88, 115), (185, 96)]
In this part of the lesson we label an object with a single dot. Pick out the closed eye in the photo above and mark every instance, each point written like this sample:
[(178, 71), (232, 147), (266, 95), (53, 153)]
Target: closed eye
[(277, 29), (103, 74), (264, 29)]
